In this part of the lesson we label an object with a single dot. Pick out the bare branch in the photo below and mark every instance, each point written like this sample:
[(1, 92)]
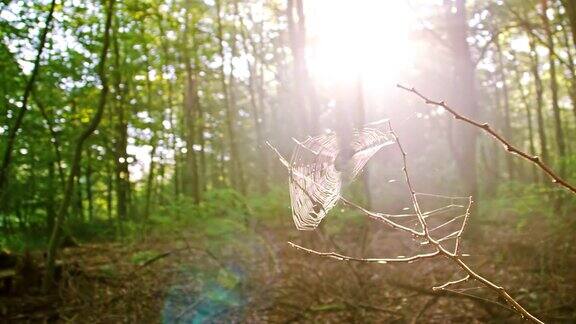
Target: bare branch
[(488, 129), (424, 233), (462, 228), (448, 293), (409, 184), (451, 283), (341, 257), (382, 217)]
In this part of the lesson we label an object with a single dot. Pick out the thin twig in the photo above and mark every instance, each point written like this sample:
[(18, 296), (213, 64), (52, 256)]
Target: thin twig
[(425, 232), (462, 228), (342, 257), (451, 283), (447, 293), (488, 129), (454, 256), (156, 258)]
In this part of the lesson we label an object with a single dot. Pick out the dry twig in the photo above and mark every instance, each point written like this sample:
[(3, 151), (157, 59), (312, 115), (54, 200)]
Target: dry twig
[(424, 232), (488, 129)]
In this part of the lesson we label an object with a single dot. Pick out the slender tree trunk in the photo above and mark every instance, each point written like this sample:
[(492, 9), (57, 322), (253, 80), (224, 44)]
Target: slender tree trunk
[(176, 176), (200, 123), (54, 138), (150, 182), (507, 129), (109, 189), (309, 90), (305, 99), (51, 199), (170, 106), (122, 173), (539, 91), (234, 107), (466, 98), (237, 170), (297, 49), (554, 89), (571, 67), (257, 119), (13, 131), (190, 100), (190, 105), (528, 109), (89, 194), (159, 186), (75, 163), (493, 163), (570, 6), (78, 203), (153, 140), (264, 110)]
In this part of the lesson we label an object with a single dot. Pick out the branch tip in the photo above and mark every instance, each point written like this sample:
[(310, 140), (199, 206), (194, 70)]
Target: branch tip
[(557, 179)]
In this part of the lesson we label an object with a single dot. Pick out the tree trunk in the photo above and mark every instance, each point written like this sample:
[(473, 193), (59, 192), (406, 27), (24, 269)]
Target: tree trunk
[(305, 100), (237, 172), (75, 163), (122, 174), (190, 107), (528, 109), (507, 129), (309, 90), (51, 199), (570, 6), (201, 127), (89, 195), (296, 47), (170, 105), (571, 67), (493, 163), (539, 91), (78, 202), (150, 181), (257, 117), (190, 101), (554, 89), (109, 190), (54, 138), (466, 98)]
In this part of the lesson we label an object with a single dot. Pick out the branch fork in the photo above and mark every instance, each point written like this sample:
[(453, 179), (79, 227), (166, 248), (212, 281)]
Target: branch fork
[(423, 233)]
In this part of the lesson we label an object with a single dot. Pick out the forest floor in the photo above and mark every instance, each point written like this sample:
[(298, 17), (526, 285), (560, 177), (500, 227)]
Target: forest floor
[(259, 278)]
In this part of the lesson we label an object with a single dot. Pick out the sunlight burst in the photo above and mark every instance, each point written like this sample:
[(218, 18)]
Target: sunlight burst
[(369, 38)]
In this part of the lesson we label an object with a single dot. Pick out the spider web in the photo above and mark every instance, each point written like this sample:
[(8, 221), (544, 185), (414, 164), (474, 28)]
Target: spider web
[(315, 180), (434, 222)]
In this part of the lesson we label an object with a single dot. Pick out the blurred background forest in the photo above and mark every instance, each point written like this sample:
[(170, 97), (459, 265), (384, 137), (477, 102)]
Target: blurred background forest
[(134, 166)]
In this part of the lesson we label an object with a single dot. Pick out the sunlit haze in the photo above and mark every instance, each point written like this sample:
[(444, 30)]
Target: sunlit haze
[(368, 39)]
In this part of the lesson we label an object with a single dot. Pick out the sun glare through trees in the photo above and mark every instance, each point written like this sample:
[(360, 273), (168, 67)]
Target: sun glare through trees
[(373, 42)]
